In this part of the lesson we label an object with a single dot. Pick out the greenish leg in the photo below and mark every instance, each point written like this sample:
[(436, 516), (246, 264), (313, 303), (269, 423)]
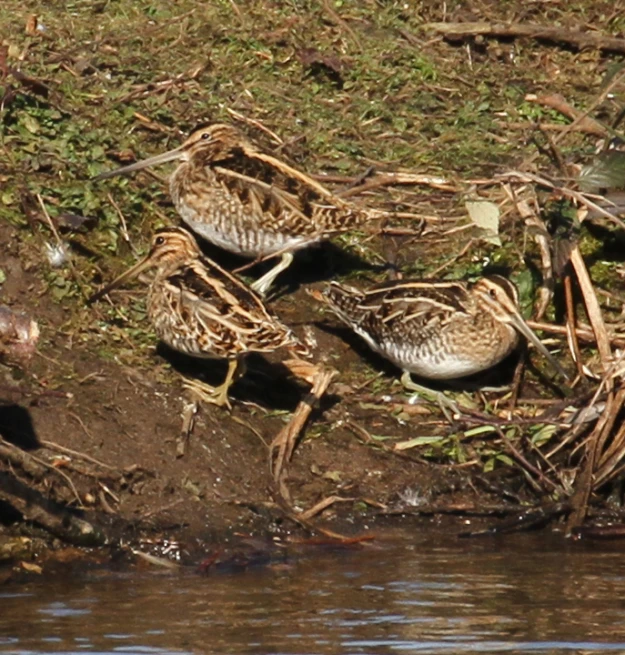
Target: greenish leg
[(217, 395), (202, 392), (262, 285), (438, 397)]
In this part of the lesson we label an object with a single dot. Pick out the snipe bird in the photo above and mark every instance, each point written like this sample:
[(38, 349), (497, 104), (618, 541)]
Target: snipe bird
[(438, 330), (231, 193), (200, 309)]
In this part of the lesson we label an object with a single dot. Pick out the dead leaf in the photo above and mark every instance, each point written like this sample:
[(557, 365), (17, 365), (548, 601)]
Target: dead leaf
[(485, 215), (318, 62), (31, 568), (31, 25)]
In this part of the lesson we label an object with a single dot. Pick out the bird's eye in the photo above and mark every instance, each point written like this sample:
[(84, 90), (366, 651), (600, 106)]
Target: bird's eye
[(159, 241), (493, 293), (205, 136)]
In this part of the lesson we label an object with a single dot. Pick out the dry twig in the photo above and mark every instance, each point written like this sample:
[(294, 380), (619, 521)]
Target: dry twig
[(54, 518), (583, 122), (592, 307), (323, 505), (404, 179), (584, 482), (284, 443), (574, 38)]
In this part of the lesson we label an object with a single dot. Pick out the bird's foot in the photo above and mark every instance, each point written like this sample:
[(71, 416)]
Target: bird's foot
[(446, 404), (207, 394)]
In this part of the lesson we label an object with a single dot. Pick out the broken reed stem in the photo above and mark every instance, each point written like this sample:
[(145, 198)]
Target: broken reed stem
[(35, 507), (610, 460), (530, 216), (575, 38), (122, 220), (584, 334), (403, 179), (34, 466), (570, 325), (582, 121), (605, 476), (284, 505), (286, 439), (542, 483), (323, 505), (585, 199), (605, 92), (449, 262), (256, 124), (598, 439), (585, 480), (49, 220), (592, 309), (576, 428)]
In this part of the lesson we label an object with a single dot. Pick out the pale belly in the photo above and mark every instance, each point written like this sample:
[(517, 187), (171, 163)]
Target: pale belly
[(250, 243), (440, 364), (222, 219)]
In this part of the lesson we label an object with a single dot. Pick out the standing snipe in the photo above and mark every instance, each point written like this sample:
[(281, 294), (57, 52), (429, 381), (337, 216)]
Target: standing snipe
[(199, 309), (437, 330), (231, 193)]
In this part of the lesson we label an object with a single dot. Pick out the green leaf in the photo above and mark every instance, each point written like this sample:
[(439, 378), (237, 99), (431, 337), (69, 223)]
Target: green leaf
[(505, 459), (544, 434), (31, 124), (482, 429), (418, 441), (380, 437)]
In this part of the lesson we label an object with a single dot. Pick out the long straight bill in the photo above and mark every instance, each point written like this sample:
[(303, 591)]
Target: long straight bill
[(518, 322), (170, 155), (135, 270)]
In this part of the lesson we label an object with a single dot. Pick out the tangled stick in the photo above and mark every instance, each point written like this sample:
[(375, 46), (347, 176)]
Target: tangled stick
[(286, 439)]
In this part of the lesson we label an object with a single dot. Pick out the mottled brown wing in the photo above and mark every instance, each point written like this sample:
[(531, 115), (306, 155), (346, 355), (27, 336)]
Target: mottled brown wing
[(279, 190), (268, 198), (229, 308), (413, 304), (213, 285)]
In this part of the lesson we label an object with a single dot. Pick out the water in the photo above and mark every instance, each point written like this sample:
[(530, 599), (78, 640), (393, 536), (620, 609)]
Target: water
[(522, 594)]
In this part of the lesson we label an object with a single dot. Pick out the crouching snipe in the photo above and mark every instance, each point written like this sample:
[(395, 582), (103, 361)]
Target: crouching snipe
[(437, 330), (200, 309)]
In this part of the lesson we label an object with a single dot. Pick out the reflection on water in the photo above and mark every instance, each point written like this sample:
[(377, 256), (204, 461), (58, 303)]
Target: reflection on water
[(525, 594)]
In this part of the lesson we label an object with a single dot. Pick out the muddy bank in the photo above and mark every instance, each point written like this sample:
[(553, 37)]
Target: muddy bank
[(99, 438), (392, 116)]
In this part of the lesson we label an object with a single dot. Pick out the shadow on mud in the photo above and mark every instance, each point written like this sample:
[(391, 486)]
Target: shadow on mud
[(266, 383), (16, 426), (317, 263)]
